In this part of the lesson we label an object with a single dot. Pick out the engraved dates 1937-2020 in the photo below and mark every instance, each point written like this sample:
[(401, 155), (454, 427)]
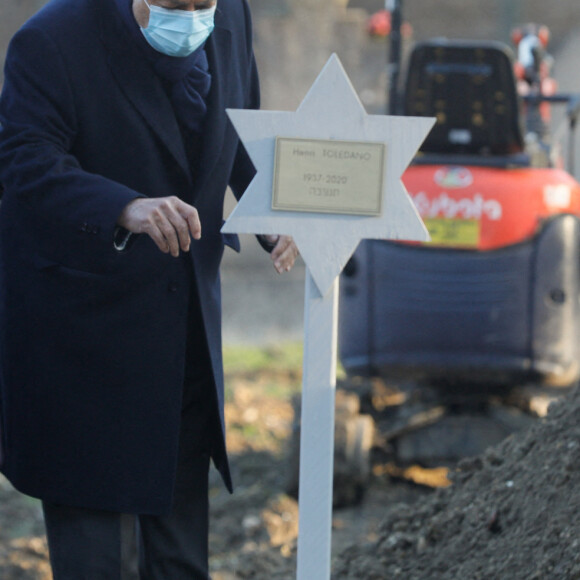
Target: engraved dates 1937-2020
[(323, 180), (328, 179)]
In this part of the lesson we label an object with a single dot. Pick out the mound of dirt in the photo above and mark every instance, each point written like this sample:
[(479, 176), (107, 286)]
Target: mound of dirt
[(513, 512)]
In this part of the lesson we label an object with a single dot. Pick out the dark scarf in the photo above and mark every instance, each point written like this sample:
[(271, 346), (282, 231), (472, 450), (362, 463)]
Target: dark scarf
[(187, 79)]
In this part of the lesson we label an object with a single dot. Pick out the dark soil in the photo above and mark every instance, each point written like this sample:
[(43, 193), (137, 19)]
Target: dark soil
[(512, 513)]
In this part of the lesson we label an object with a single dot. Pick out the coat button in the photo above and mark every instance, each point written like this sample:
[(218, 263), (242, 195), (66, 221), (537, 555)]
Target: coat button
[(172, 287)]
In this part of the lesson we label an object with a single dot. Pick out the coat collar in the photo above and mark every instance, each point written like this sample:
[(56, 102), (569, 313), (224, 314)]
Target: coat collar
[(143, 88)]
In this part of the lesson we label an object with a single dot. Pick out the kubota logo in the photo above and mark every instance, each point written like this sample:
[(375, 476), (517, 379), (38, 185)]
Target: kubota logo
[(453, 177), (467, 208)]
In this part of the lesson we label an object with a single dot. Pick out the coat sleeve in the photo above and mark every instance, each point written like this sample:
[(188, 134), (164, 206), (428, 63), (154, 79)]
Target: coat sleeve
[(38, 169), (243, 170)]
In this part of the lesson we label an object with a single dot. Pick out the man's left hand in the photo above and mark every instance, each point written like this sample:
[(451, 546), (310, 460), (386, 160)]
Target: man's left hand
[(284, 253)]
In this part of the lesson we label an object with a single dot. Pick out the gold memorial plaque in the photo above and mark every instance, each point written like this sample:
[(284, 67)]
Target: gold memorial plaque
[(314, 175)]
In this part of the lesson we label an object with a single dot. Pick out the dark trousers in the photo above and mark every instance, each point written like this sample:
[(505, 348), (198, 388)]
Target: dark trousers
[(87, 544), (98, 545)]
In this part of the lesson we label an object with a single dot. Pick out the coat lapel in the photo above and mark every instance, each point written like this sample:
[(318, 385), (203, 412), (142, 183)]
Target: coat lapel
[(141, 86), (218, 47)]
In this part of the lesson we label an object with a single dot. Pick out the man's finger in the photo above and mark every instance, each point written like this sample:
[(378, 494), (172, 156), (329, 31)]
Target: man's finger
[(170, 233), (181, 227), (151, 229), (191, 216)]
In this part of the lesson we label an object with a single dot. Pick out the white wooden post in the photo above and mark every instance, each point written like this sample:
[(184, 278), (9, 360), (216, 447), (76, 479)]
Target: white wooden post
[(317, 431)]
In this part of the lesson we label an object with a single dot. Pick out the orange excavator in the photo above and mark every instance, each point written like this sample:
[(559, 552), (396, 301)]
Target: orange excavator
[(435, 338)]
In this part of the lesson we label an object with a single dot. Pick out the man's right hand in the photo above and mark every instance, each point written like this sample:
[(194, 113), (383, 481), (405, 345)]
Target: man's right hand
[(170, 222)]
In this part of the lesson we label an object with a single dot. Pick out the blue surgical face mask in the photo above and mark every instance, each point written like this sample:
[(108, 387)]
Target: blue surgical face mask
[(178, 32)]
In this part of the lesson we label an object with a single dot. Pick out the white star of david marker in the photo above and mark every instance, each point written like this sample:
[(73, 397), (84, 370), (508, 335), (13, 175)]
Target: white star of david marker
[(330, 111)]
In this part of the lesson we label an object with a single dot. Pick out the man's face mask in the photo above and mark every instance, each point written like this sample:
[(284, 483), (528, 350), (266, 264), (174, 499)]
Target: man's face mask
[(178, 32)]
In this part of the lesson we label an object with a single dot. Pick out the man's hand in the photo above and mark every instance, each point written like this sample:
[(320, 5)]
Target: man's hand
[(170, 222), (284, 253)]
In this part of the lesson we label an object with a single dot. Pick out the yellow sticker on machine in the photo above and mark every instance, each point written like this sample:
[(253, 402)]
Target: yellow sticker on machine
[(453, 232)]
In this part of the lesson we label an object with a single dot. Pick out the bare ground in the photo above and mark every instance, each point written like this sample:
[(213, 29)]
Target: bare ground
[(512, 513), (254, 531)]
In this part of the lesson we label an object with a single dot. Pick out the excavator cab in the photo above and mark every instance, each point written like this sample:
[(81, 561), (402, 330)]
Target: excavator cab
[(494, 297), (470, 89)]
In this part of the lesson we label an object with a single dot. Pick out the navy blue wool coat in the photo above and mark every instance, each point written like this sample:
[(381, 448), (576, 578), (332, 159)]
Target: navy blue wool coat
[(92, 340)]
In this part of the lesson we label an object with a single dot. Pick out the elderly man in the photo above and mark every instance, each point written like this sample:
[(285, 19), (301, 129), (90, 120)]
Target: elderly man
[(115, 153)]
